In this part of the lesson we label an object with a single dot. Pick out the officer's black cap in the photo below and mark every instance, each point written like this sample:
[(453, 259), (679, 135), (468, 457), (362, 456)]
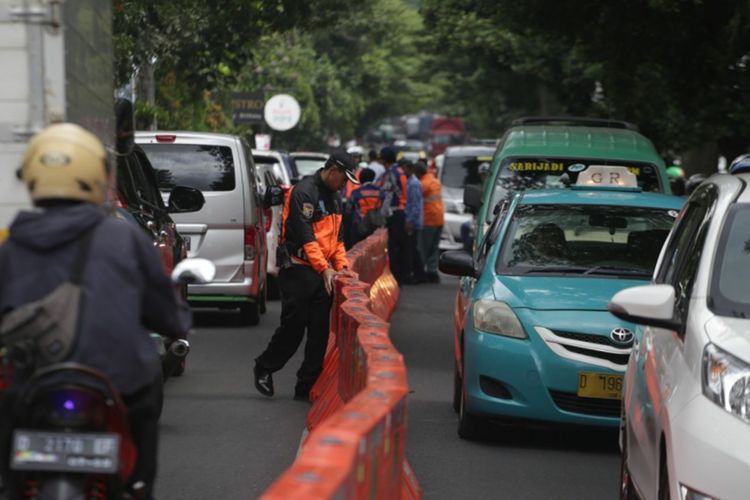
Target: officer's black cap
[(345, 162)]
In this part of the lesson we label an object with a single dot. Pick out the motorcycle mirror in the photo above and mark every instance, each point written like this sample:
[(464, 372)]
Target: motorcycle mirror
[(199, 271)]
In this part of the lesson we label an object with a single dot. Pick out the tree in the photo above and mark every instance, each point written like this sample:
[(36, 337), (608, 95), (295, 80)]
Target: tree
[(677, 68)]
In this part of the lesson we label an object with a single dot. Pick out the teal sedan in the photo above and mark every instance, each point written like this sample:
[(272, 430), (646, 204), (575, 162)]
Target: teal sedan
[(533, 337)]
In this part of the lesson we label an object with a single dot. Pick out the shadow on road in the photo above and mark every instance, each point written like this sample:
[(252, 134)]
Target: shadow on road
[(550, 436)]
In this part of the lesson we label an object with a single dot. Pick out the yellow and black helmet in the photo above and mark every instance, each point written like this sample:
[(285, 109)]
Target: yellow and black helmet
[(65, 162)]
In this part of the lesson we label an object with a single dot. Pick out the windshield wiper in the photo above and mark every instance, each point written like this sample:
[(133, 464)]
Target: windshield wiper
[(556, 269), (614, 270)]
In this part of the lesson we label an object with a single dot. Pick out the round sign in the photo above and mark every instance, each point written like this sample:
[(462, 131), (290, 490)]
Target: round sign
[(282, 112)]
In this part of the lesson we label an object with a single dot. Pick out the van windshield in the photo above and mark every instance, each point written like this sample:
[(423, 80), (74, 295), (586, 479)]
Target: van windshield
[(522, 173), (208, 168), (458, 171)]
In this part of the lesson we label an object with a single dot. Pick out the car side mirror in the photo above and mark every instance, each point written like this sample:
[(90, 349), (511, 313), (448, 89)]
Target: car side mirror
[(185, 199), (473, 197), (457, 263), (273, 197), (650, 305)]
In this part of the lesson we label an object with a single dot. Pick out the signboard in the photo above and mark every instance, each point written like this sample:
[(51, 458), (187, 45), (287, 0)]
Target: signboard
[(282, 112), (247, 107), (263, 142)]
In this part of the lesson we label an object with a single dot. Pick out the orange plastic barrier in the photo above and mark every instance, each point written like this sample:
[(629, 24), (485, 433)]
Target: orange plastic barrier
[(356, 446)]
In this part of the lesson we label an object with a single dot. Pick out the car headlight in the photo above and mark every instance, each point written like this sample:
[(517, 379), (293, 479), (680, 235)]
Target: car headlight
[(726, 381), (497, 317)]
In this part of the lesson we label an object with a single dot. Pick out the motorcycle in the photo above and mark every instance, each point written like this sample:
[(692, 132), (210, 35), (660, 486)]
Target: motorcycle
[(70, 436)]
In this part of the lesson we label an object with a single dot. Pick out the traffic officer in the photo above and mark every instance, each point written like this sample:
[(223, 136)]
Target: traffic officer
[(365, 205), (310, 254)]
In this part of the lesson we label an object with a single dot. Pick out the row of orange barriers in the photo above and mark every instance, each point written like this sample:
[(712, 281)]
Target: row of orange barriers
[(356, 445)]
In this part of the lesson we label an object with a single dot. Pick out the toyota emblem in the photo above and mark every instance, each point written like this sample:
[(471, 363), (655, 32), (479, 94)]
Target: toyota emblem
[(621, 336)]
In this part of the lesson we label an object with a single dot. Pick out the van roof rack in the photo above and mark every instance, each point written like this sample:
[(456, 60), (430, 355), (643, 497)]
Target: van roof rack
[(574, 121)]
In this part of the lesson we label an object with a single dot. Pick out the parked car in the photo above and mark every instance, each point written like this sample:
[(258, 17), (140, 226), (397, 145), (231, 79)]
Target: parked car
[(139, 200), (684, 428), (535, 152), (308, 163), (458, 169), (230, 229), (271, 173), (532, 335)]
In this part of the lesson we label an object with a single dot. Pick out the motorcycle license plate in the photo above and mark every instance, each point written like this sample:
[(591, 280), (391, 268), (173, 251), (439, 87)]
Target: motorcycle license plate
[(599, 385), (65, 451)]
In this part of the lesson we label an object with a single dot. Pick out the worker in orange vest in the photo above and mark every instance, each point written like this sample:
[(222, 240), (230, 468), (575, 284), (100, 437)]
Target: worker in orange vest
[(433, 220)]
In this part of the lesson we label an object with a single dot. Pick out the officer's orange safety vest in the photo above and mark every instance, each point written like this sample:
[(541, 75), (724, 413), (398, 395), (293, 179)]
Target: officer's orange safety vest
[(433, 200)]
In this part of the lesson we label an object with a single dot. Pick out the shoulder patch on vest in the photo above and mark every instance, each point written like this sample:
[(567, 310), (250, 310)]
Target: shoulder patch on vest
[(307, 210)]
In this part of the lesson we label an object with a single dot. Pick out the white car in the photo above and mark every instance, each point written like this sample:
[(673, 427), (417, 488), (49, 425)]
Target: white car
[(270, 171), (685, 428)]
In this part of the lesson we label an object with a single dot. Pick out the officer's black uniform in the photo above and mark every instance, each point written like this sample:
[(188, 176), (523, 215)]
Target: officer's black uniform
[(312, 237)]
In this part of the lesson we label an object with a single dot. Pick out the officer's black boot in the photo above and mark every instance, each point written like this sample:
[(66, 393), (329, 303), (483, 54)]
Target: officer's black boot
[(263, 380)]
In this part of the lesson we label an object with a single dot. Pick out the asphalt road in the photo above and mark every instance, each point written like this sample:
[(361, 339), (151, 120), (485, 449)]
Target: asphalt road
[(514, 461), (219, 437)]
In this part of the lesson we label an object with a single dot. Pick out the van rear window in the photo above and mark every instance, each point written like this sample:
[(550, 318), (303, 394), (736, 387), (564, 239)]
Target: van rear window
[(208, 168)]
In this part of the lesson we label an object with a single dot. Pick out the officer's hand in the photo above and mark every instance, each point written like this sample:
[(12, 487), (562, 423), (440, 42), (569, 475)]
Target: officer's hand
[(349, 273), (328, 276)]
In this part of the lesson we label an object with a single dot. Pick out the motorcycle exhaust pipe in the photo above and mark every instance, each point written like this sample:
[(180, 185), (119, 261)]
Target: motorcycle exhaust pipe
[(174, 356)]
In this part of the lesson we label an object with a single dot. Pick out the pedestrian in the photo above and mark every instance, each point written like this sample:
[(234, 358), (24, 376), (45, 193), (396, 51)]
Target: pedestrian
[(125, 292), (433, 220), (365, 205), (375, 165), (413, 223), (394, 187), (311, 254)]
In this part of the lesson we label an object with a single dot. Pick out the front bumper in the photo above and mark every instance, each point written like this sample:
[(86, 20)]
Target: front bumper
[(704, 433), (540, 384)]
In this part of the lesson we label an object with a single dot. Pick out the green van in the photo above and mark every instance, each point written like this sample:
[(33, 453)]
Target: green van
[(535, 152)]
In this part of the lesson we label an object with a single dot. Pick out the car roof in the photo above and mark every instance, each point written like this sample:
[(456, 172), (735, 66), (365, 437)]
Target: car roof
[(599, 196), (469, 151), (578, 142), (187, 135), (309, 154)]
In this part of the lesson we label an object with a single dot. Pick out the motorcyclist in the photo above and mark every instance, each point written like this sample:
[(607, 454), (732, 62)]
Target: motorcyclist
[(676, 177), (740, 164), (125, 292)]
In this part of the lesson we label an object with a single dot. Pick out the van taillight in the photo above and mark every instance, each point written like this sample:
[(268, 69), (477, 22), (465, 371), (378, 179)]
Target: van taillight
[(268, 214), (250, 252), (166, 138)]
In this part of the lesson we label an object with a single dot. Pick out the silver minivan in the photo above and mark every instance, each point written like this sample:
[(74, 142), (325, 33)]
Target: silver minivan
[(229, 229)]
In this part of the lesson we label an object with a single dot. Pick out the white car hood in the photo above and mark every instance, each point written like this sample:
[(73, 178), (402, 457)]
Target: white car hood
[(730, 334)]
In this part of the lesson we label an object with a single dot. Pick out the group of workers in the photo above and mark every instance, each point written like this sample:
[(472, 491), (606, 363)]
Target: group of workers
[(404, 196)]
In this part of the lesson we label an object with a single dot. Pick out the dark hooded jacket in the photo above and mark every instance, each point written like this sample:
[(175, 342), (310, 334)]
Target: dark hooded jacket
[(126, 293)]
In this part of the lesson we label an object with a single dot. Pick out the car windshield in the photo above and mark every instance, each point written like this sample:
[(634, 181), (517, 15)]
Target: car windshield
[(208, 168), (458, 171), (730, 283), (584, 240), (308, 166), (522, 173)]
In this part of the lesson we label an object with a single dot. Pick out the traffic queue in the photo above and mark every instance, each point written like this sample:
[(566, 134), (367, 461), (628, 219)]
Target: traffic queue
[(594, 296)]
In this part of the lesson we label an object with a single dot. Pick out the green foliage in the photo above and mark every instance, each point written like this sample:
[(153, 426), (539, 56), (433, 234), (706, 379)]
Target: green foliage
[(677, 68)]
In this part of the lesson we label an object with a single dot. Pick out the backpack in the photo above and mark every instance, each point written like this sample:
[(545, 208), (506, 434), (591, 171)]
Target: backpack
[(370, 222), (44, 332)]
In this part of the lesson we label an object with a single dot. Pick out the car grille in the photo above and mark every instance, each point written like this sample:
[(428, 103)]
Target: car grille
[(592, 339), (588, 406), (618, 359), (588, 348)]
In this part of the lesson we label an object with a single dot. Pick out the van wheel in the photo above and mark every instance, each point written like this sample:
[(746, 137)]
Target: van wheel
[(263, 297), (250, 313)]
